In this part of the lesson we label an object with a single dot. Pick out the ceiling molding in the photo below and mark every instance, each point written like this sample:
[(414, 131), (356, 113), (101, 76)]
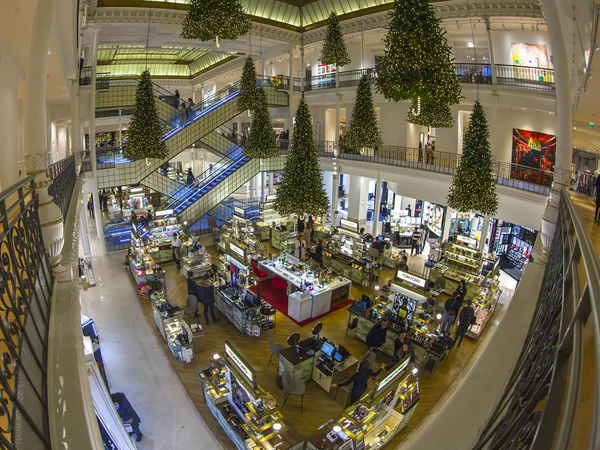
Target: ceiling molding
[(220, 70), (458, 9)]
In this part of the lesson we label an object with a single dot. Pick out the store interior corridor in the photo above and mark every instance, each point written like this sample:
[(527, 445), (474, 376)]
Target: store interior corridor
[(134, 362)]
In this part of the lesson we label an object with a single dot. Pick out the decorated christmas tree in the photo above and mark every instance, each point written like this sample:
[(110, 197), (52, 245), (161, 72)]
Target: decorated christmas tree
[(262, 141), (145, 130), (363, 130), (247, 100), (334, 48), (430, 114), (215, 19), (474, 184), (417, 60), (301, 190)]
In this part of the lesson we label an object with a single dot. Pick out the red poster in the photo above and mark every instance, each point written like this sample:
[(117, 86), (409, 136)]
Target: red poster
[(534, 150)]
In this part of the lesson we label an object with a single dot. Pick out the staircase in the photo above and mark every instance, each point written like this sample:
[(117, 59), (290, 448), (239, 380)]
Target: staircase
[(207, 117)]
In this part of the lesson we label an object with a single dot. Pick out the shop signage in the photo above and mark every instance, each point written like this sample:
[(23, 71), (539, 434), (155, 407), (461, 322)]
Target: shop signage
[(235, 249), (240, 364), (136, 190), (349, 225), (270, 198), (405, 276), (393, 374), (164, 212), (239, 211), (467, 240)]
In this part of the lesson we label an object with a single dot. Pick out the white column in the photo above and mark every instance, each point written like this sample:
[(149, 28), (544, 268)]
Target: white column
[(252, 188), (484, 232), (564, 119), (337, 106), (75, 121), (9, 116), (335, 189), (84, 236), (377, 205), (36, 133), (447, 223), (359, 191), (120, 130), (491, 50), (263, 185), (271, 183), (92, 131)]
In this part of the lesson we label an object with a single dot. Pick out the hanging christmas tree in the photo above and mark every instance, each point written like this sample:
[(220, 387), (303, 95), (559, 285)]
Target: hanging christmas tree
[(363, 130), (247, 100), (215, 19), (334, 49), (417, 60), (262, 141), (430, 114), (301, 190), (474, 184), (145, 130)]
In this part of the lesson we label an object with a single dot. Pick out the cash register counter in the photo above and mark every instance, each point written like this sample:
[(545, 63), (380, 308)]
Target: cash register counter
[(321, 296)]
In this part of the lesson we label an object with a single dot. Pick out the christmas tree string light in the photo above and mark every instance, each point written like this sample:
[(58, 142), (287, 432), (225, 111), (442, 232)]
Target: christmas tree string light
[(215, 19), (262, 141), (363, 129), (474, 184)]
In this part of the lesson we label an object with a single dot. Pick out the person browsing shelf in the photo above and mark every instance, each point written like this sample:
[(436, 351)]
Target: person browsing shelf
[(176, 246), (451, 308), (402, 347), (360, 380), (461, 290)]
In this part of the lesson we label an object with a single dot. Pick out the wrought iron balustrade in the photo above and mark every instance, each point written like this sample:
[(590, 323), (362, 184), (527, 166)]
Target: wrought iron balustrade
[(26, 285), (63, 176), (525, 77), (474, 73), (539, 406)]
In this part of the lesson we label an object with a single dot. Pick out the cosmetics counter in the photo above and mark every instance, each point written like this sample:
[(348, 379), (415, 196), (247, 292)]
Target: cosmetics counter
[(283, 237), (310, 294), (484, 302), (245, 309), (195, 259), (159, 234), (377, 417), (142, 265), (174, 329), (269, 218), (247, 413)]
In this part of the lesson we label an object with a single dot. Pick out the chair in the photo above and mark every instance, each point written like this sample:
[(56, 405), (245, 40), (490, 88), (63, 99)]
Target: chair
[(279, 283), (293, 387), (191, 308), (260, 274), (275, 350)]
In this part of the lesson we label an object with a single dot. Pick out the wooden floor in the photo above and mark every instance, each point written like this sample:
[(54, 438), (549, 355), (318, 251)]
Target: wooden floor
[(318, 408)]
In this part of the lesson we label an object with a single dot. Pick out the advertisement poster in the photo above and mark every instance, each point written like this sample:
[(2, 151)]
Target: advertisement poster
[(434, 215), (535, 150)]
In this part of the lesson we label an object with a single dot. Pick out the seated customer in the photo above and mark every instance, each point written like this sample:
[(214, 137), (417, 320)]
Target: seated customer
[(360, 380)]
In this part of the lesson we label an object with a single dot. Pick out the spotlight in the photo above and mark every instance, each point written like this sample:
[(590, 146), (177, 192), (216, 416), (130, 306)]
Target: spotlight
[(277, 426), (438, 317), (216, 356), (415, 371)]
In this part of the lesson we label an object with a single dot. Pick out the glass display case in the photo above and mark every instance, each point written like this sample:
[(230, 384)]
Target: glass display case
[(174, 329), (463, 259)]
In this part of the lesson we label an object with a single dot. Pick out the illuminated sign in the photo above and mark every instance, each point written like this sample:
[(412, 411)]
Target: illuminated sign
[(270, 198), (349, 225), (240, 211), (164, 212), (240, 364), (136, 190), (393, 374), (405, 276), (467, 240), (235, 249)]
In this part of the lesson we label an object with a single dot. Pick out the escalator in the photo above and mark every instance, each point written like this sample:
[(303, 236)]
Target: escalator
[(207, 116)]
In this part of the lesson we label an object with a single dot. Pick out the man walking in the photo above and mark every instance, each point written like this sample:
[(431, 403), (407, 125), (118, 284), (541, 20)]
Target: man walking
[(466, 318)]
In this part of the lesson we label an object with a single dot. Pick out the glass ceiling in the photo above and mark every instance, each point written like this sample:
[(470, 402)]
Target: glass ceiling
[(285, 12), (166, 61)]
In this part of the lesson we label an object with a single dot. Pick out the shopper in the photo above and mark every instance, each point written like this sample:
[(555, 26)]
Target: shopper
[(461, 291), (466, 318), (360, 380), (300, 225), (409, 210), (415, 241), (183, 119), (149, 216), (206, 296), (127, 414), (402, 347), (300, 251), (176, 246), (192, 287), (375, 339), (90, 207), (402, 264), (177, 97), (421, 240), (190, 177), (451, 308), (596, 215)]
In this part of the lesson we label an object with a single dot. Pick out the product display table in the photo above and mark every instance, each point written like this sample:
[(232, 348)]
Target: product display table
[(175, 331), (323, 295), (300, 367)]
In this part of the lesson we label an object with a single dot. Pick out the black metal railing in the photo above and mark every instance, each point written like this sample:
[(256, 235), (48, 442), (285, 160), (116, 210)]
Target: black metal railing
[(514, 76), (474, 73), (525, 77), (538, 409), (26, 285), (102, 78), (85, 76), (63, 176)]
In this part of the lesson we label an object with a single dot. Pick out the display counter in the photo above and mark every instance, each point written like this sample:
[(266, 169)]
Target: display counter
[(144, 268), (484, 302), (197, 262), (245, 310), (357, 270), (247, 413), (300, 365), (174, 329), (324, 289), (284, 240)]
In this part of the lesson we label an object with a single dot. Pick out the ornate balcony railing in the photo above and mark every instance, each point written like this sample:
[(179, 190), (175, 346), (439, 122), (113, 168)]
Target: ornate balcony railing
[(63, 178), (525, 77), (539, 406), (26, 285)]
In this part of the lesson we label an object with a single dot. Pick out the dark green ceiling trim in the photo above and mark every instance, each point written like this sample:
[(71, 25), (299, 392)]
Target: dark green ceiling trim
[(220, 63)]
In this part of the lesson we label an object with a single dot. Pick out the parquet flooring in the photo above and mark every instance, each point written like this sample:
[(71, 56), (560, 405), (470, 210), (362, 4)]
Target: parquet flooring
[(318, 408)]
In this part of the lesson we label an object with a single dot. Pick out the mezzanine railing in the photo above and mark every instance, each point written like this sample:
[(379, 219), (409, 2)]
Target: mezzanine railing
[(513, 76), (63, 176), (538, 409), (26, 285)]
